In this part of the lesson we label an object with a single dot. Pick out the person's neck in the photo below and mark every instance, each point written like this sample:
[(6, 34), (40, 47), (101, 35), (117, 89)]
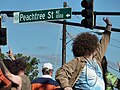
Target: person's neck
[(50, 74), (21, 73), (89, 57)]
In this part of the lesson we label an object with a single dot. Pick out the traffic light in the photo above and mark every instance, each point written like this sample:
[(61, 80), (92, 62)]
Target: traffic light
[(87, 13), (3, 36)]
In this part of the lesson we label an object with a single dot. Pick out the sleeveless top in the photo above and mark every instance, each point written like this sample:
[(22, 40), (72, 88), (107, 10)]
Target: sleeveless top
[(91, 77), (26, 84)]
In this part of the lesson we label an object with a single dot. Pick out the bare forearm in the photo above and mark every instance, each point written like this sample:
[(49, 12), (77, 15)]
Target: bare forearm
[(14, 78), (108, 24), (108, 28), (13, 58), (4, 68)]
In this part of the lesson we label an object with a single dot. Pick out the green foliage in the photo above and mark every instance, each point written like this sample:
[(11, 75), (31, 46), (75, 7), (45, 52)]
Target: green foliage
[(2, 56)]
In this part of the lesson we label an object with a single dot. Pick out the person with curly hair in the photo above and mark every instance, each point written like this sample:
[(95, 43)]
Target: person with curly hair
[(84, 72)]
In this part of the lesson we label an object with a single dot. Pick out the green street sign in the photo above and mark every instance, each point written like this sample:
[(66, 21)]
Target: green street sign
[(42, 15)]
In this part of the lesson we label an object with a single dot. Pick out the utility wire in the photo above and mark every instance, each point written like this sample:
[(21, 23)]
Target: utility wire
[(77, 17), (72, 38), (69, 35), (115, 40), (114, 46), (113, 69)]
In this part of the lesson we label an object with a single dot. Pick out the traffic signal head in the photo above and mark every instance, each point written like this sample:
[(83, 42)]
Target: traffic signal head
[(3, 36), (87, 3), (87, 13), (87, 23)]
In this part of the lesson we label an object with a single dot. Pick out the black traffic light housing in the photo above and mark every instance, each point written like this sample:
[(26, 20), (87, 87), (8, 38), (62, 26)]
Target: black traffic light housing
[(87, 13), (3, 36)]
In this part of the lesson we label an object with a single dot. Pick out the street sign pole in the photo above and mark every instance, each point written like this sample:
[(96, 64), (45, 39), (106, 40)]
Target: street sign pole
[(42, 15), (0, 22), (64, 39)]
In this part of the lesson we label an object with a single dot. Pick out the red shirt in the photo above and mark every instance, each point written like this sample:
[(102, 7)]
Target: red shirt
[(4, 81)]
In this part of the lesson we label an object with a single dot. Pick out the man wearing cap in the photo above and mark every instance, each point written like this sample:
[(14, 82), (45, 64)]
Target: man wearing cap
[(45, 82)]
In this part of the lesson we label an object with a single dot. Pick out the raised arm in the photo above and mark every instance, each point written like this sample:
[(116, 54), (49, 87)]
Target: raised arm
[(104, 40), (14, 78), (11, 54)]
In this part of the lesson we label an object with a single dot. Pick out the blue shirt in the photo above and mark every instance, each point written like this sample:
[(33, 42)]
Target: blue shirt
[(91, 77)]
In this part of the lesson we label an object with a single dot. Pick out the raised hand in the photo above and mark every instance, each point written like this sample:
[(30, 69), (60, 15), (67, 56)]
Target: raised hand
[(10, 54), (107, 21)]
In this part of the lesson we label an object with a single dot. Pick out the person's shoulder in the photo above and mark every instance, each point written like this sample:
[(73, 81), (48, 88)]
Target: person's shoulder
[(36, 80), (25, 79), (53, 82), (78, 60), (26, 83)]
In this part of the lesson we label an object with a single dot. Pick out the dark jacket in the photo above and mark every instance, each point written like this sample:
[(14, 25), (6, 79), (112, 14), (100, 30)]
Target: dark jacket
[(45, 84)]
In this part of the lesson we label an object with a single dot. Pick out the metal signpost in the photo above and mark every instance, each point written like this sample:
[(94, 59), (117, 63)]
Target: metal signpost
[(42, 15)]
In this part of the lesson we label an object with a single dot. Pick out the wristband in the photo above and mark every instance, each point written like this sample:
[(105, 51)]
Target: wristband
[(109, 24)]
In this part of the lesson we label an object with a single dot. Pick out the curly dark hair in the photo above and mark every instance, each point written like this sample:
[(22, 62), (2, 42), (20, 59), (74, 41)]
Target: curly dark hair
[(84, 44)]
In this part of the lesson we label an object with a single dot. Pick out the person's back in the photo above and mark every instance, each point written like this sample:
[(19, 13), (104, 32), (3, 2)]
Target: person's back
[(26, 84), (45, 82)]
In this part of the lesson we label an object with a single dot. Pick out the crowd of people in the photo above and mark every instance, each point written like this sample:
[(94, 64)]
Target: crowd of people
[(87, 71)]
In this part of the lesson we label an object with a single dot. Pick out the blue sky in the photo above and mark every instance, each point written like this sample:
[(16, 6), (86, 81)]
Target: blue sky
[(43, 39)]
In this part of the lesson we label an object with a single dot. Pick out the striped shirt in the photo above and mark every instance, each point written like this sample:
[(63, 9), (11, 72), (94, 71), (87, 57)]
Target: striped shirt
[(91, 77), (45, 83)]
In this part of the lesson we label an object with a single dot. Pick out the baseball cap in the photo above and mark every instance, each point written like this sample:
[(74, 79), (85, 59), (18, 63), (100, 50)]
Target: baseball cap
[(47, 65)]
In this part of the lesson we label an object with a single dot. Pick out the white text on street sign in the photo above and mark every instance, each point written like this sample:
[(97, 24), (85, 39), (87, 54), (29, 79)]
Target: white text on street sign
[(42, 15)]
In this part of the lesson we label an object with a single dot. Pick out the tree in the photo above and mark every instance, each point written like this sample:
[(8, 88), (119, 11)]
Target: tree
[(32, 64)]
